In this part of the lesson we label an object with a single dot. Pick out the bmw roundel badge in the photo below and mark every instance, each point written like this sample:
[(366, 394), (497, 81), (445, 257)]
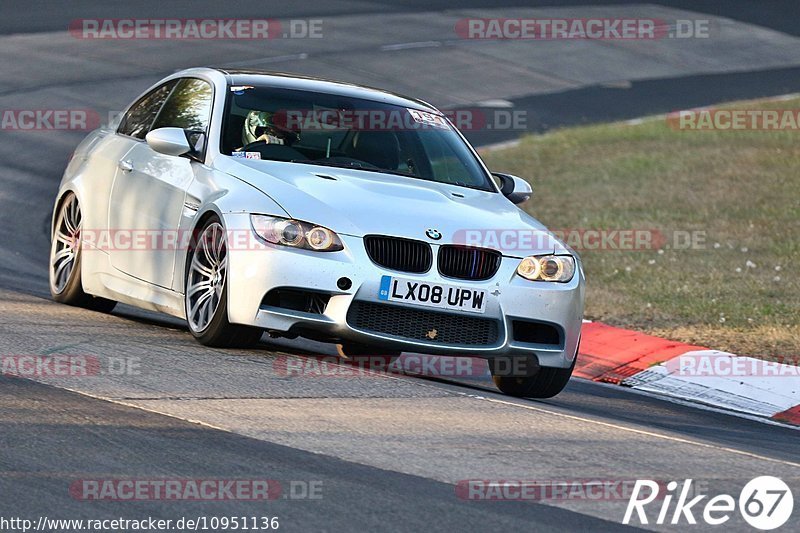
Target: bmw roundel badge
[(433, 234)]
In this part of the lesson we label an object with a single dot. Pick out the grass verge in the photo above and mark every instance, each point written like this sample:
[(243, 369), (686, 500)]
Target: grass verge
[(737, 192)]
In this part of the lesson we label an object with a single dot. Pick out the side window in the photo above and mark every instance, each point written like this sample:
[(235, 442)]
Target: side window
[(141, 115), (188, 108)]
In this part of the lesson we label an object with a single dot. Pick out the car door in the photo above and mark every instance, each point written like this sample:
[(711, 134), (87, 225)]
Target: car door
[(149, 190)]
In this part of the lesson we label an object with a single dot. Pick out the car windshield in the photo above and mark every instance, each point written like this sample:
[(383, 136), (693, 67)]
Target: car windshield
[(315, 128)]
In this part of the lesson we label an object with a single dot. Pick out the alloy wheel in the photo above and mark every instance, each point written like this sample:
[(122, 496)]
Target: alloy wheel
[(206, 279), (66, 244)]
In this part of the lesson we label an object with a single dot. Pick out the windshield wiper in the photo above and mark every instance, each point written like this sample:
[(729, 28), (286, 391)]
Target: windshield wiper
[(380, 171), (329, 163)]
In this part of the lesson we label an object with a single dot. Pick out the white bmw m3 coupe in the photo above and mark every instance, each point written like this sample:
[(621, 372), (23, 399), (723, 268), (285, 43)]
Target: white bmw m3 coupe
[(247, 201)]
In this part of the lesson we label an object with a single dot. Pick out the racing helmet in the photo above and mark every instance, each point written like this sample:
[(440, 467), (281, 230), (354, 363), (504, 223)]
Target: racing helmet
[(261, 126)]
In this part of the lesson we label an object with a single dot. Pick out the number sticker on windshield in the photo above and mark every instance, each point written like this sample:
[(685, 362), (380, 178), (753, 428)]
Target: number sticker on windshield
[(247, 155), (428, 119)]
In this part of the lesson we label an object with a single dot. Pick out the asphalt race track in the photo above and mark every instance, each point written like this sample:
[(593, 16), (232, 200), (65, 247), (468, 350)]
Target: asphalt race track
[(385, 452)]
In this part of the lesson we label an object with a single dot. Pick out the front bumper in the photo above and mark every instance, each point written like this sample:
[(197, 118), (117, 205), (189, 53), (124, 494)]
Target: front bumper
[(258, 268)]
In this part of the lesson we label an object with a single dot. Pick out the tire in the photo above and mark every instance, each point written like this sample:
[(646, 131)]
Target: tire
[(65, 260), (545, 383), (206, 292)]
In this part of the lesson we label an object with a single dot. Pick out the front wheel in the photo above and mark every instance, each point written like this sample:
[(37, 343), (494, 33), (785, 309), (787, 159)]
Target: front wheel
[(206, 294), (65, 260), (545, 383)]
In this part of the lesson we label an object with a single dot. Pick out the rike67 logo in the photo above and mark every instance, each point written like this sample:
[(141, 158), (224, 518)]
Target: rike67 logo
[(765, 503)]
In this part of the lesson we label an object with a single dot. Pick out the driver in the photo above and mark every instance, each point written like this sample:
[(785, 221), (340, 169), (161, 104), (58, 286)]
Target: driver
[(260, 126)]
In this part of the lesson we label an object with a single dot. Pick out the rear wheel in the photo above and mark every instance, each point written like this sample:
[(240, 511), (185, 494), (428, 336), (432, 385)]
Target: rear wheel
[(545, 383), (65, 260), (206, 292)]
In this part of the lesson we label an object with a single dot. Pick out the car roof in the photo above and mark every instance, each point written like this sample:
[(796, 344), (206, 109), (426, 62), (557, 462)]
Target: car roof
[(308, 83)]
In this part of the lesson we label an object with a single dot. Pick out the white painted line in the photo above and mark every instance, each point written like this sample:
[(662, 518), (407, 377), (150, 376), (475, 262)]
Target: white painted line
[(495, 103), (408, 46), (663, 116), (617, 84), (267, 60), (486, 399), (640, 431), (498, 146)]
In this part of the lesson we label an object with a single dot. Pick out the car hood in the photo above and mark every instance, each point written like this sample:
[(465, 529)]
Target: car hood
[(358, 203)]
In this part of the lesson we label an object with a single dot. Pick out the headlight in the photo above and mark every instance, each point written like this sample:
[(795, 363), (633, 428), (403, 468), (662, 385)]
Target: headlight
[(320, 238), (295, 233), (547, 268)]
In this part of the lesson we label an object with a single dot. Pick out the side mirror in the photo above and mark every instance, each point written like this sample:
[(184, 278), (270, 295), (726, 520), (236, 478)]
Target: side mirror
[(517, 190), (169, 141)]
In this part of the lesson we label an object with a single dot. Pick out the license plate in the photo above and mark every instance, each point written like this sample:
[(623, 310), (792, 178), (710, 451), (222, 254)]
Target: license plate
[(432, 294)]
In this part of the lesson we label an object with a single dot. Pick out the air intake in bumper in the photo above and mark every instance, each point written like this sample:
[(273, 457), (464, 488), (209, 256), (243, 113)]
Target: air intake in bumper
[(421, 325)]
